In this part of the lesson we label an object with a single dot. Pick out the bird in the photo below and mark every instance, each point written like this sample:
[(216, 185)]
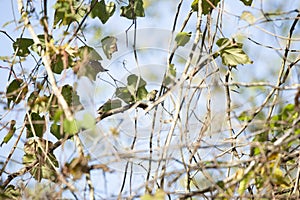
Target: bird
[(151, 96), (97, 66)]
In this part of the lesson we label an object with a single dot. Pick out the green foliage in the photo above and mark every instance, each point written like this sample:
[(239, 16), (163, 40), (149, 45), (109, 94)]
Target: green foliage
[(68, 11), (103, 11), (206, 7), (70, 127), (134, 9), (135, 90), (70, 97), (232, 53), (35, 47), (124, 94), (11, 131), (89, 53), (274, 167), (109, 105), (88, 122), (183, 38), (16, 91), (69, 94), (10, 193), (284, 120), (170, 75), (137, 87), (21, 46), (38, 104), (90, 69), (247, 2), (55, 130), (44, 164), (36, 126), (244, 183), (59, 63)]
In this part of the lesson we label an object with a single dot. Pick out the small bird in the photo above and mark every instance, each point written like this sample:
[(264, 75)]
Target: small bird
[(97, 66), (151, 96)]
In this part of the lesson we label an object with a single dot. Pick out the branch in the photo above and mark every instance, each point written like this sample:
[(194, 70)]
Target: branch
[(47, 62)]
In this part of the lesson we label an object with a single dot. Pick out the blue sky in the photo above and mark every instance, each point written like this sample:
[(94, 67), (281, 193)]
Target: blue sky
[(266, 61)]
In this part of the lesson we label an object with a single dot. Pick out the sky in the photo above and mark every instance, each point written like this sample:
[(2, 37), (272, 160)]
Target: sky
[(153, 36)]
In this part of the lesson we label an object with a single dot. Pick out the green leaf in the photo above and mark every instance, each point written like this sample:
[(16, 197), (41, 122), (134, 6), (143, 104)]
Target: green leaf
[(10, 193), (88, 53), (170, 75), (38, 124), (279, 178), (36, 47), (21, 46), (182, 38), (67, 93), (44, 163), (124, 94), (70, 127), (133, 10), (12, 130), (16, 91), (103, 11), (55, 129), (70, 95), (232, 54), (137, 87), (109, 46), (133, 80), (289, 113), (58, 62), (206, 7), (37, 104), (88, 121), (67, 12), (91, 69), (221, 184), (245, 116), (135, 90), (255, 151), (244, 183), (247, 2), (109, 105), (223, 41), (57, 115)]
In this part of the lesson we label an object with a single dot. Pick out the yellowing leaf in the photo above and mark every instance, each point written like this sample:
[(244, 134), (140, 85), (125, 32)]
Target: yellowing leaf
[(109, 46), (159, 195), (44, 167), (248, 17), (279, 179)]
